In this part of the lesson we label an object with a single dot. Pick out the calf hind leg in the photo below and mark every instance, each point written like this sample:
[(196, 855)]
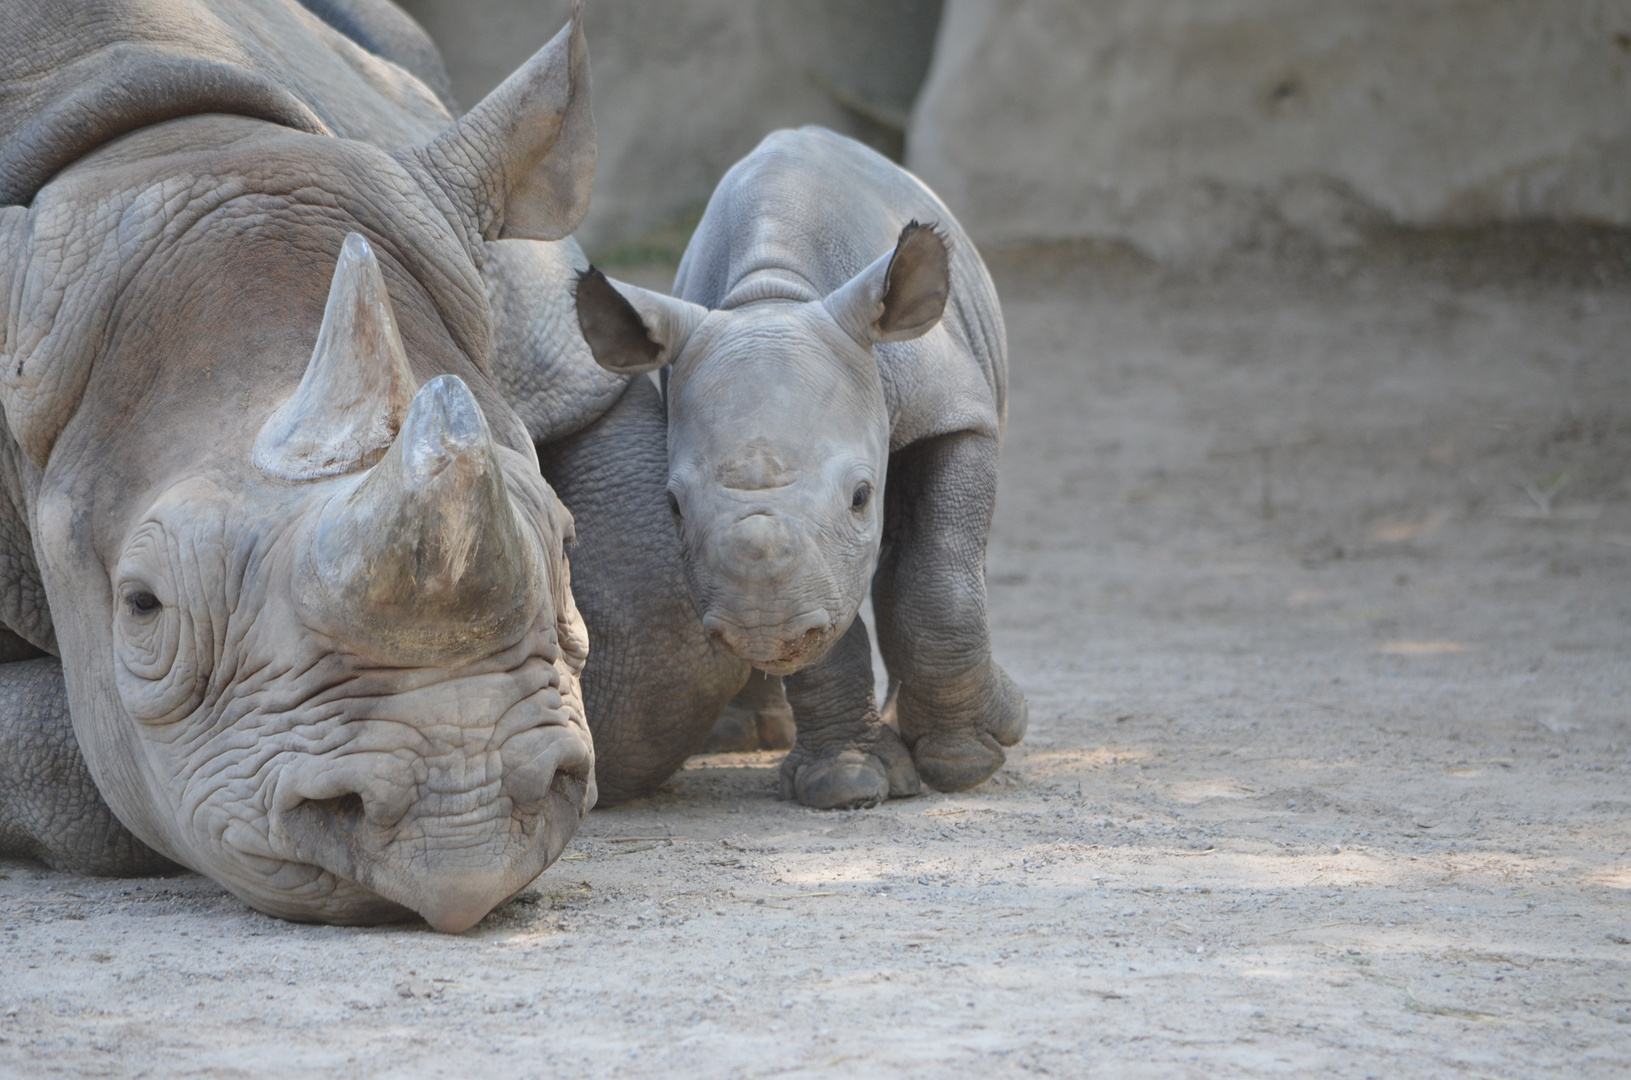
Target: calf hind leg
[(757, 718), (50, 809)]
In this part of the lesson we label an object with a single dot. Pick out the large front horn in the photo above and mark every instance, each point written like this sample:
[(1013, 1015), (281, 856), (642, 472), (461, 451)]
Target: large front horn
[(356, 390), (427, 559), (520, 164)]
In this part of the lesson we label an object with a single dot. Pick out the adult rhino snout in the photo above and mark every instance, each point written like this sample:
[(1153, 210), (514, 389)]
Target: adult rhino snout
[(414, 813)]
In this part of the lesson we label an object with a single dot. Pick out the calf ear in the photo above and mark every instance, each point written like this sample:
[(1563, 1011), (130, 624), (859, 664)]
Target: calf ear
[(520, 164), (629, 330), (899, 297)]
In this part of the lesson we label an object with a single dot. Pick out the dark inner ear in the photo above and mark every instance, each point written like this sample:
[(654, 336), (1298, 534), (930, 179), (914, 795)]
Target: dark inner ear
[(613, 328), (918, 281)]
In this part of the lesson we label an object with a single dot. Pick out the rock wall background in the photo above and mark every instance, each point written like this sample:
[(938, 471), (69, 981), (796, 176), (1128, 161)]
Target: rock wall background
[(684, 88), (1185, 125), (1180, 127)]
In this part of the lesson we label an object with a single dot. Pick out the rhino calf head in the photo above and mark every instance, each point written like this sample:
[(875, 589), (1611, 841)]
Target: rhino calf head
[(778, 440)]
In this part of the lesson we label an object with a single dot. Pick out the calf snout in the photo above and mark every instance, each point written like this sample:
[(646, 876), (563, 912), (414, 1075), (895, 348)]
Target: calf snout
[(780, 648)]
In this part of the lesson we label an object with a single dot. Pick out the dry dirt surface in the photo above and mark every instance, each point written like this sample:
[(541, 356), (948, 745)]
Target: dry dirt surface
[(1319, 580)]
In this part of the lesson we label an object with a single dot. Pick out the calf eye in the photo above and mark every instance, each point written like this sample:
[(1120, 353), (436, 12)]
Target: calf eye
[(143, 603), (862, 496), (673, 506)]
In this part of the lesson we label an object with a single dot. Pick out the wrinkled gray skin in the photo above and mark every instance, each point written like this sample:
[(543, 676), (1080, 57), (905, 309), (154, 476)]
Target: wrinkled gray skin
[(835, 410), (283, 590)]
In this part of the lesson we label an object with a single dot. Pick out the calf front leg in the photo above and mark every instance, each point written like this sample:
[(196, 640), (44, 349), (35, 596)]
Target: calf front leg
[(956, 708), (50, 809), (844, 755)]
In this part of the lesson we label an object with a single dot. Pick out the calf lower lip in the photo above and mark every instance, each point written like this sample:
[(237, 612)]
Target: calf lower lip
[(777, 667)]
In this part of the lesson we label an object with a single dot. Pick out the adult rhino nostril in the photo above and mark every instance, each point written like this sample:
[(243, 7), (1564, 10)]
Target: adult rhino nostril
[(543, 762), (345, 811), (346, 799)]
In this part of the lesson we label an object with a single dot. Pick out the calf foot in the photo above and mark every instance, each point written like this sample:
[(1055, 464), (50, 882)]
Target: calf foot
[(845, 755), (863, 771), (957, 728)]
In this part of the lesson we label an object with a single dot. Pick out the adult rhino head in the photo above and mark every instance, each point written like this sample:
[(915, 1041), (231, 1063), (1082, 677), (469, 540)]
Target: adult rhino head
[(306, 582), (778, 440)]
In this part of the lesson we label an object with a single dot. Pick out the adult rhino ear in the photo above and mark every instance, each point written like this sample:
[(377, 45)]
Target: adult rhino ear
[(520, 164), (899, 297), (629, 330)]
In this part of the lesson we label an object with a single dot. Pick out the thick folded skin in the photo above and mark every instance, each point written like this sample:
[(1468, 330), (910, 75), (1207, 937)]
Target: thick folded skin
[(50, 809), (654, 681)]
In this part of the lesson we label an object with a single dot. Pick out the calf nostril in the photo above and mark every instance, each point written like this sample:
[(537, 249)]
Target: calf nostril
[(716, 629)]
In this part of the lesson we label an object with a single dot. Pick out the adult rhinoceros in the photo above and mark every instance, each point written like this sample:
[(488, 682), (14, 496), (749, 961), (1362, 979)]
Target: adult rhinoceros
[(278, 567)]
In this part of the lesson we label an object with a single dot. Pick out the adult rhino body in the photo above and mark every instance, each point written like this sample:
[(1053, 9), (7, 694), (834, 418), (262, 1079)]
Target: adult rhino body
[(279, 337), (835, 410)]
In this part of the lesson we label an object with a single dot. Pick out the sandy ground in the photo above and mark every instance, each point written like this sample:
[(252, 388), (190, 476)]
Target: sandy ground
[(1319, 581)]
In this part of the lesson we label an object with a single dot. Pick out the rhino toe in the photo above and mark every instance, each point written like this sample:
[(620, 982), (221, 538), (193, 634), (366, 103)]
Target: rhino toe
[(957, 761), (844, 781), (1008, 721)]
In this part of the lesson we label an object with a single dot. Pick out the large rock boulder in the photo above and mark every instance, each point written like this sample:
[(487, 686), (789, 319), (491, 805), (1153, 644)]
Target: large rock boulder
[(1187, 126)]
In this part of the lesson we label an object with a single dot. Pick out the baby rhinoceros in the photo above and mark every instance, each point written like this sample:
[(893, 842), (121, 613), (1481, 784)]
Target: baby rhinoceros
[(835, 409)]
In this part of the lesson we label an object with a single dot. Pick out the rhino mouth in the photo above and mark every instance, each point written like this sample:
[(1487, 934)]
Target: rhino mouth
[(778, 648), (439, 801)]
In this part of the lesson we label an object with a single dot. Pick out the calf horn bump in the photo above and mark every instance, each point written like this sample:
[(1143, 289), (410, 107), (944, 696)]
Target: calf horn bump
[(351, 402)]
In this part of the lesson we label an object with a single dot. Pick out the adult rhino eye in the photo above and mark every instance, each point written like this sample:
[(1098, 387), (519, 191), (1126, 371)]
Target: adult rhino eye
[(674, 506), (862, 496)]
